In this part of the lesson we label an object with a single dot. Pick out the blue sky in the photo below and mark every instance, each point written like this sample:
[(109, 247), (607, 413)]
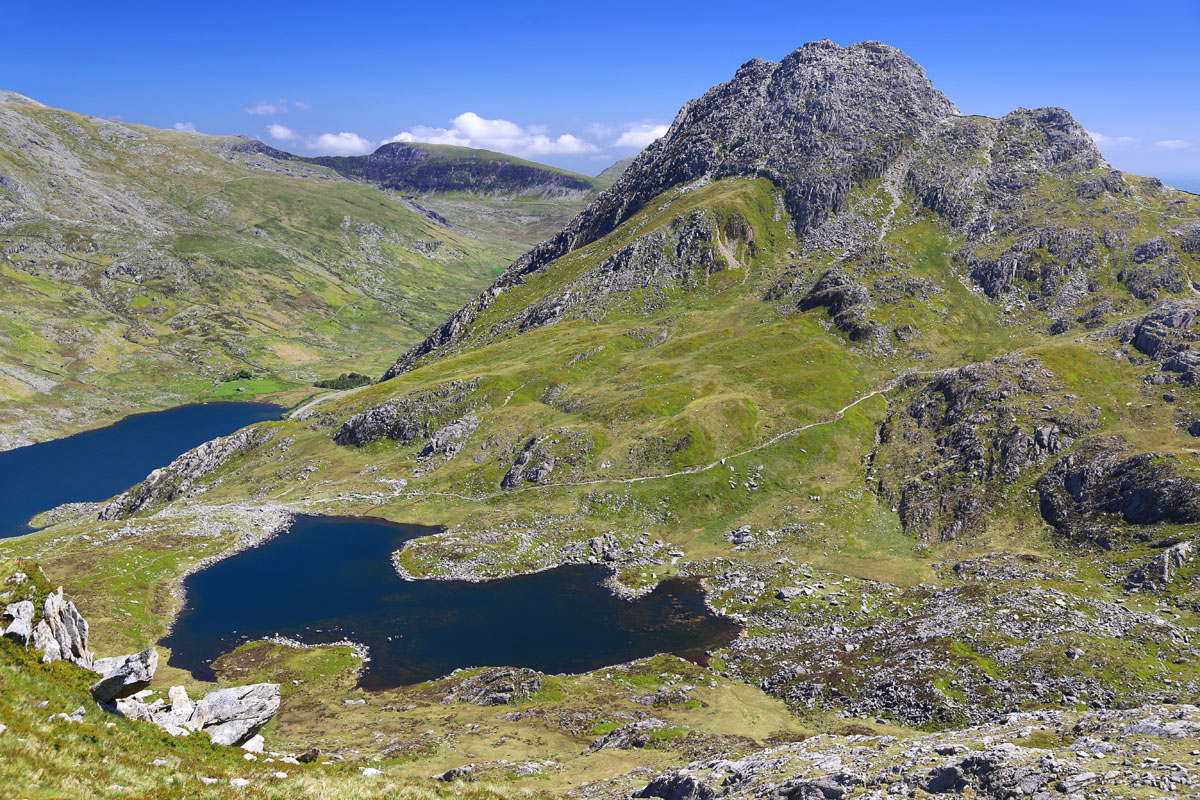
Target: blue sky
[(581, 84)]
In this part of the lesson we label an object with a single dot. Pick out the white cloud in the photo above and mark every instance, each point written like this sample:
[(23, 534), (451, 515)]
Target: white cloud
[(640, 136), (471, 130), (600, 130), (267, 109), (300, 105), (1103, 139), (340, 144), (281, 133), (1171, 144), (564, 145), (185, 126)]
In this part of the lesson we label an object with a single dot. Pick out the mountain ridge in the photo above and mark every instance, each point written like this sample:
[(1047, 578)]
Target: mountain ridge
[(694, 148)]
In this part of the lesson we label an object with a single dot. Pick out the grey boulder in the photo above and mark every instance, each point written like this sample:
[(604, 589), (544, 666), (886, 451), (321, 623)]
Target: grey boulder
[(124, 675), (233, 716)]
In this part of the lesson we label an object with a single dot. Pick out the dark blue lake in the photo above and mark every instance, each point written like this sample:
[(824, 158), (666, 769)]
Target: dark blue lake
[(331, 578), (98, 464)]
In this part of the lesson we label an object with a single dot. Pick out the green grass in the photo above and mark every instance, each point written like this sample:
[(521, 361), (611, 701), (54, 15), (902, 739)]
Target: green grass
[(245, 389)]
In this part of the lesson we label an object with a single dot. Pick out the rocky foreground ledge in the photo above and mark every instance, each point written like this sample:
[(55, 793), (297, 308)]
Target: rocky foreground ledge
[(1148, 752), (231, 716)]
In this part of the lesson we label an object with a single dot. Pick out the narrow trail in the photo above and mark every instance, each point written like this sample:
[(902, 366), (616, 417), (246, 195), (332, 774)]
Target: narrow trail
[(299, 413), (837, 415)]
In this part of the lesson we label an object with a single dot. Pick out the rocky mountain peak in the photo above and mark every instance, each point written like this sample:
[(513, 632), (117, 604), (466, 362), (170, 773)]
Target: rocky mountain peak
[(817, 124), (1066, 140)]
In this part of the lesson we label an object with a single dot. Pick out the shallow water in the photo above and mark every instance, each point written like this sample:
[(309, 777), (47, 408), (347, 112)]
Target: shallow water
[(96, 465), (331, 578)]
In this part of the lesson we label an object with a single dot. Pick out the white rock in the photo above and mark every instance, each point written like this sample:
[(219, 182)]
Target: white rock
[(370, 772), (255, 744), (250, 757), (239, 783), (208, 781), (63, 633), (279, 775), (288, 760), (20, 629), (176, 730)]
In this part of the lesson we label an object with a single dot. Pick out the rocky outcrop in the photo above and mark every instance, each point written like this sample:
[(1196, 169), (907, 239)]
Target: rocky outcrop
[(1188, 237), (991, 773), (1155, 269), (412, 417), (533, 465), (677, 786), (124, 675), (1158, 571), (848, 302), (62, 632), (496, 687), (57, 629), (817, 124), (628, 737), (1091, 491), (180, 477), (449, 440), (1168, 335), (949, 445), (1043, 258)]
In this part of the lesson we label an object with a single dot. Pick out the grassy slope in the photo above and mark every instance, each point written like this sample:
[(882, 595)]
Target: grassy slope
[(144, 265)]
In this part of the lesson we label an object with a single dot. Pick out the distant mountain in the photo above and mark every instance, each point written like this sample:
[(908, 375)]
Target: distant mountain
[(139, 267), (508, 202), (442, 169), (616, 170)]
